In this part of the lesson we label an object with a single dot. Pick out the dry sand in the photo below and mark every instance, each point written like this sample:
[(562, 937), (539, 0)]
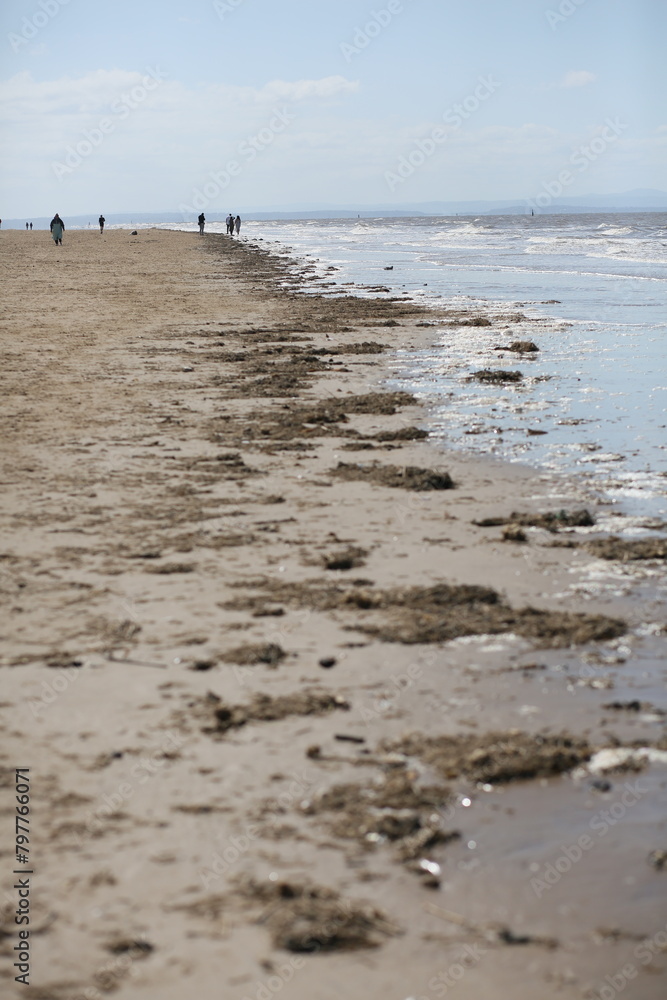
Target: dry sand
[(224, 547)]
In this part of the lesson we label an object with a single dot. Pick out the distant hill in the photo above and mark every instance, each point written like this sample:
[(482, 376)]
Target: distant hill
[(640, 200)]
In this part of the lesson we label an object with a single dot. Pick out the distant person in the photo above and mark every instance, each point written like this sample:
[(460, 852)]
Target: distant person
[(238, 224), (201, 220), (230, 224), (31, 227), (57, 228), (101, 221), (27, 226)]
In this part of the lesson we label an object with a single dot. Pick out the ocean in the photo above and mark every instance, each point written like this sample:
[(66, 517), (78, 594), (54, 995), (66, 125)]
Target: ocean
[(593, 291)]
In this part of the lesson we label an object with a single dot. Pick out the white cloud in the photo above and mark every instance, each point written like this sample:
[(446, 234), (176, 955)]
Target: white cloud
[(302, 90), (23, 96), (149, 137), (578, 78), (178, 138)]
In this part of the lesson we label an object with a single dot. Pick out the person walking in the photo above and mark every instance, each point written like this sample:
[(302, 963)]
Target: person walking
[(27, 226), (201, 220), (238, 224), (230, 224), (57, 228), (31, 227), (101, 221)]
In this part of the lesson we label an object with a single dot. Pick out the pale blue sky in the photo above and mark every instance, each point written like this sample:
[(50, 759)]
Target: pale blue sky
[(558, 71)]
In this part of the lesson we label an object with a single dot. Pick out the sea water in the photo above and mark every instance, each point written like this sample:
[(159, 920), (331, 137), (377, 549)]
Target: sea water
[(593, 291)]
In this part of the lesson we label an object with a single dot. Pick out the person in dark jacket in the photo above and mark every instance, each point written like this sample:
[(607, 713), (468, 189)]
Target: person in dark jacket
[(57, 228)]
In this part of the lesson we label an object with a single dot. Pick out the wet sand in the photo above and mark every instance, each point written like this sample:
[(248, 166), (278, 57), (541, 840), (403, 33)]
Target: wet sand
[(300, 721)]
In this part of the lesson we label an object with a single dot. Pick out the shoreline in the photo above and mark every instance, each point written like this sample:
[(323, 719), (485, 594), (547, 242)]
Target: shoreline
[(185, 543), (617, 459)]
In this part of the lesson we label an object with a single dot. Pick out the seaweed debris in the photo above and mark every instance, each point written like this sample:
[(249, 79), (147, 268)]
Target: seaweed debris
[(394, 810), (304, 917), (311, 420), (408, 477), (519, 347), (438, 613), (496, 758), (496, 376), (269, 653), (351, 558), (551, 521), (265, 708), (632, 551), (476, 321), (404, 434)]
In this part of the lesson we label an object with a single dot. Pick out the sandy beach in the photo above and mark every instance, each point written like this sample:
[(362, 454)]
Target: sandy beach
[(311, 708)]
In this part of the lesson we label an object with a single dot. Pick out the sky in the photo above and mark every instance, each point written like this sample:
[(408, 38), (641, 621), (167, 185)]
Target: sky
[(252, 105)]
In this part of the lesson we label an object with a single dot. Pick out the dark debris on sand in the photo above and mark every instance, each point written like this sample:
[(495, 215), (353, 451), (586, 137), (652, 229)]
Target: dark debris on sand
[(251, 654), (304, 917), (519, 347), (496, 758), (406, 477), (551, 520), (312, 420), (220, 717), (618, 549), (438, 613), (396, 810), (352, 557), (496, 376), (403, 434)]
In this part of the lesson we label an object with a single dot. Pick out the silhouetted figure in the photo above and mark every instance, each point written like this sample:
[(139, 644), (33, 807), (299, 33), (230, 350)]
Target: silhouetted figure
[(101, 221), (201, 220), (31, 227), (27, 226), (57, 228), (237, 224), (230, 224)]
